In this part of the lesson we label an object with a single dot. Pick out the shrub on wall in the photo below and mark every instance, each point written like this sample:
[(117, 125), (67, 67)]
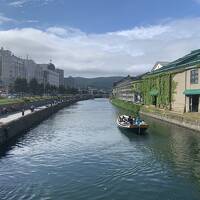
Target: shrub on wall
[(161, 84)]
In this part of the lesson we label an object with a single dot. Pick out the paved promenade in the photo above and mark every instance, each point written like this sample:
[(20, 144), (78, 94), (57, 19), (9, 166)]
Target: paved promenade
[(10, 117)]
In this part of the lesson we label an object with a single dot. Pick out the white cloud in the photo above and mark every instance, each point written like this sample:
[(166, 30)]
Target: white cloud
[(123, 52), (4, 19), (143, 32), (65, 32), (21, 3), (30, 21)]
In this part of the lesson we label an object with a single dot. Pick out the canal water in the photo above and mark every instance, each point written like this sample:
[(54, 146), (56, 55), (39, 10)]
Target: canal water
[(80, 154)]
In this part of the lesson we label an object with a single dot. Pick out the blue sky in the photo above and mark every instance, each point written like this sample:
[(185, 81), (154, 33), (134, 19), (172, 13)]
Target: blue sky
[(100, 37), (98, 16)]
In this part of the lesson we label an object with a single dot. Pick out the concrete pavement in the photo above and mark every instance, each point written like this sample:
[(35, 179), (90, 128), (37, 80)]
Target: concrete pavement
[(8, 118)]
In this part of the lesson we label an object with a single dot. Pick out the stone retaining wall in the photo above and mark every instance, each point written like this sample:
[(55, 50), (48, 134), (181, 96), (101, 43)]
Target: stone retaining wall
[(16, 127), (193, 125)]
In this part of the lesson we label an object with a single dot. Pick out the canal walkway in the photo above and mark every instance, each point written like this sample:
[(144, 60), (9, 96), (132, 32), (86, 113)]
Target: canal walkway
[(14, 116)]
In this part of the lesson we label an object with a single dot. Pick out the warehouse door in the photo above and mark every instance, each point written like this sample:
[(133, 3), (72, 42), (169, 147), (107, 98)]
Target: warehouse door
[(194, 103)]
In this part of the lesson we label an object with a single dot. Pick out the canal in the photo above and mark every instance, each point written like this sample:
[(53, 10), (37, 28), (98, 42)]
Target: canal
[(80, 154)]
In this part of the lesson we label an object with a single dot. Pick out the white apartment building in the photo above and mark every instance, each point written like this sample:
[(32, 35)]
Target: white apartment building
[(51, 77), (61, 76), (33, 71), (11, 67)]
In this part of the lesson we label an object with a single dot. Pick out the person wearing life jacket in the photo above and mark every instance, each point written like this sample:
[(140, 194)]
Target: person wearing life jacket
[(138, 120)]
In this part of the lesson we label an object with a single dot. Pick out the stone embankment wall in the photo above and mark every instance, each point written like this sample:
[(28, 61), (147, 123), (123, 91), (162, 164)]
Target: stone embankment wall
[(16, 127), (177, 120)]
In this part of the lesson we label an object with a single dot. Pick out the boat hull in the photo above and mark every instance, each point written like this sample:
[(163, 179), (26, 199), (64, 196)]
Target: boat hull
[(133, 128)]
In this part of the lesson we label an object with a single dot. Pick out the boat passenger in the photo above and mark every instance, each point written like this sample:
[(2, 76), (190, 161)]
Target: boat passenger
[(124, 119), (130, 120), (138, 121)]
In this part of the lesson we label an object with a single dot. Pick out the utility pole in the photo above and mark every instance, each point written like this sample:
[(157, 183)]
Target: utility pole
[(44, 83)]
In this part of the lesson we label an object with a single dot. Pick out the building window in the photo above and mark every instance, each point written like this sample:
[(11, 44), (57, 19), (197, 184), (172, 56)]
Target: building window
[(194, 76)]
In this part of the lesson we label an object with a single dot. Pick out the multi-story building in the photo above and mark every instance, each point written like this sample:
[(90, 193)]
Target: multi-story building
[(123, 89), (51, 77), (184, 83), (61, 76), (128, 89), (174, 86), (33, 71), (11, 67)]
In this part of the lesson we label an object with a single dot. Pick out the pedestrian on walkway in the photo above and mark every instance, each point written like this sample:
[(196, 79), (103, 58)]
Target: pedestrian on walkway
[(32, 108), (23, 112)]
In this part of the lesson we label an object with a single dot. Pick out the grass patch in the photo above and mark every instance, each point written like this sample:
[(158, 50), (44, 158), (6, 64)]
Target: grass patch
[(10, 101), (135, 108), (6, 101)]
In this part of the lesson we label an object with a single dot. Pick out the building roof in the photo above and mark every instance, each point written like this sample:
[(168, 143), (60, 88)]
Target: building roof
[(51, 66), (123, 80), (188, 60), (129, 78), (162, 63)]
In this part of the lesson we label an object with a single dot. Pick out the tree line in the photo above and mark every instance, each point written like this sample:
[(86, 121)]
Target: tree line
[(33, 87)]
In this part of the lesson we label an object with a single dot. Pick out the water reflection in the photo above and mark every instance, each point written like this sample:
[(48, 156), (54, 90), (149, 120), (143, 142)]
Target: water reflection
[(180, 147), (176, 146), (80, 153), (134, 136)]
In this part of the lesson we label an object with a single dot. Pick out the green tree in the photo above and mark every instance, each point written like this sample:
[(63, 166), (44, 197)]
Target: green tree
[(54, 90), (71, 90), (41, 89), (33, 86), (48, 88), (20, 85), (61, 89)]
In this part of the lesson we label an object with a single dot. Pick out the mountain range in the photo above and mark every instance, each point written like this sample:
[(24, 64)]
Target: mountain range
[(104, 83)]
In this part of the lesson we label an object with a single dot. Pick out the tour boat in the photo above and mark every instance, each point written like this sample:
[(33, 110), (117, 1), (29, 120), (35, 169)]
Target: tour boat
[(138, 125)]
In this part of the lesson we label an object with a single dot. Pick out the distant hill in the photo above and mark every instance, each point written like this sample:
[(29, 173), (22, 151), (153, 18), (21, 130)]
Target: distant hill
[(105, 83)]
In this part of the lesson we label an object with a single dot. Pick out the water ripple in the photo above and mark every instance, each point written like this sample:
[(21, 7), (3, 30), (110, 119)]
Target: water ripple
[(79, 153)]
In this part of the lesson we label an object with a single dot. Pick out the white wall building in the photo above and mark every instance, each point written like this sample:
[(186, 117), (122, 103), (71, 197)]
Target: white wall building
[(61, 76), (11, 68), (33, 71), (51, 77)]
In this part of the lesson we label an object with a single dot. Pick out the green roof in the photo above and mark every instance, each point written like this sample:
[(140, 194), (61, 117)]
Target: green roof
[(153, 92), (192, 92), (190, 59)]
